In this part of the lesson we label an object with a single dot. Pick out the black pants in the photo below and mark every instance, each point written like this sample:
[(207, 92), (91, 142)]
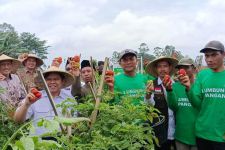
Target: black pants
[(203, 144), (168, 145)]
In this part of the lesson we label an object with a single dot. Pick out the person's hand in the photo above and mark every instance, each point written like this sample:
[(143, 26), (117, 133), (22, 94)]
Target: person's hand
[(32, 96), (150, 87), (75, 72), (22, 56), (184, 79), (30, 99), (167, 82), (2, 77)]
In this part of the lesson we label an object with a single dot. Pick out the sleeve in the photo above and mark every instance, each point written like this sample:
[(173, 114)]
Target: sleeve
[(76, 88), (172, 100), (194, 95), (21, 88)]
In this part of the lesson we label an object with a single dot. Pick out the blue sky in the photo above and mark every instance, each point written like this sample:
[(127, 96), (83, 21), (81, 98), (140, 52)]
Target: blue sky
[(99, 27)]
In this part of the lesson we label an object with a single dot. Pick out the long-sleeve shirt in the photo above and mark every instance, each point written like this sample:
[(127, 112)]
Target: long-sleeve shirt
[(13, 91), (43, 109), (184, 112), (207, 95), (27, 77), (80, 91)]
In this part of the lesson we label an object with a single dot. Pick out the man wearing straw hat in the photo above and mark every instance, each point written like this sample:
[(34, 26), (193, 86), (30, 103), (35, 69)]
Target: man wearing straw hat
[(29, 72), (13, 90), (56, 80), (157, 94)]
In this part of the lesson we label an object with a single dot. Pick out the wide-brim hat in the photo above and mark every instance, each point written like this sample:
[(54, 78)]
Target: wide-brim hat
[(151, 67), (15, 63), (39, 61), (68, 78)]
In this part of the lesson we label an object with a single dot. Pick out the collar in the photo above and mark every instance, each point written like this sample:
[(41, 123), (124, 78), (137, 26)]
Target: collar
[(9, 78), (62, 94), (159, 81), (28, 71)]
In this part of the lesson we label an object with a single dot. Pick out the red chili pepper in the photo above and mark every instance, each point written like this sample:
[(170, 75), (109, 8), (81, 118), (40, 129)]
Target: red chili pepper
[(167, 78), (59, 60), (75, 65), (182, 72), (36, 93), (109, 73), (76, 58)]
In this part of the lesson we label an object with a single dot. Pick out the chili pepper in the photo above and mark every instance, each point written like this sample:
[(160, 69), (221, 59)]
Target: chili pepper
[(74, 65), (109, 73), (167, 78), (59, 60), (182, 72), (76, 58), (149, 82), (36, 93)]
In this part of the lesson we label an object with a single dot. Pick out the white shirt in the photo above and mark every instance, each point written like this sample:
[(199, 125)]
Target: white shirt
[(43, 109)]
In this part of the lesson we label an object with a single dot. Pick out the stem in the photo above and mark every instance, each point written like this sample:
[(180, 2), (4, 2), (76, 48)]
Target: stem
[(14, 135)]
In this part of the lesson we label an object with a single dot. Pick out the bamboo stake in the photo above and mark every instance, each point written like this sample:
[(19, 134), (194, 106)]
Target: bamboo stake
[(49, 96), (99, 92), (92, 91), (94, 79)]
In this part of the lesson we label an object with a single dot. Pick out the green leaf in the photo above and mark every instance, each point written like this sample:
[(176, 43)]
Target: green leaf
[(70, 121), (27, 143)]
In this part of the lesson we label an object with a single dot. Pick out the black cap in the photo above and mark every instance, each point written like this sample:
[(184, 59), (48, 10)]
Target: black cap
[(86, 63), (213, 45), (100, 63)]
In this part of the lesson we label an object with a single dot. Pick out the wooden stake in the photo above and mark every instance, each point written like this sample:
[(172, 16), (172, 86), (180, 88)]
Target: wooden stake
[(99, 92)]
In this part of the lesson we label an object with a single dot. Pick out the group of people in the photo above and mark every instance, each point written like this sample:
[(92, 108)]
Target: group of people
[(192, 103)]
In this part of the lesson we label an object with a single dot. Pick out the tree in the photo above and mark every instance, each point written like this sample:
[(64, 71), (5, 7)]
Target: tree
[(115, 57), (33, 44), (9, 40), (169, 50), (13, 44), (143, 48)]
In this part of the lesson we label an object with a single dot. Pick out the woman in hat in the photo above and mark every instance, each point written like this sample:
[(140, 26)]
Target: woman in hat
[(13, 91), (29, 72), (56, 80)]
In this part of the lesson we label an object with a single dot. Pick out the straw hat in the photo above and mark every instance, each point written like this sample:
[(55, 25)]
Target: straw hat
[(68, 78), (151, 67), (26, 56), (15, 63)]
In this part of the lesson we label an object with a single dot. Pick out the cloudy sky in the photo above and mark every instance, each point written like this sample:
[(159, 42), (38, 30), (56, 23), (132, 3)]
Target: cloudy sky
[(99, 27)]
